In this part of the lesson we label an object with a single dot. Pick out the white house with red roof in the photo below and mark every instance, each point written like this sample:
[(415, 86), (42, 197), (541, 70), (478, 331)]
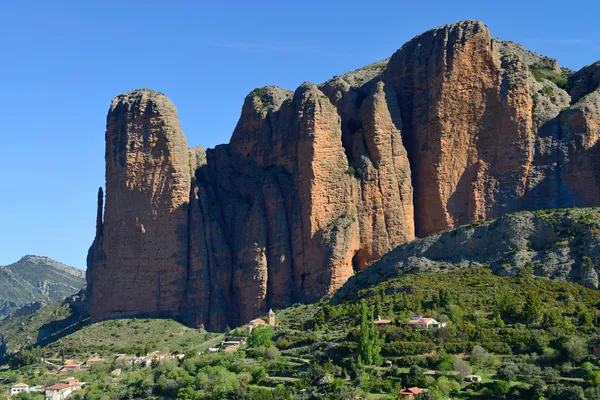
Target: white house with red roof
[(425, 322), (63, 390)]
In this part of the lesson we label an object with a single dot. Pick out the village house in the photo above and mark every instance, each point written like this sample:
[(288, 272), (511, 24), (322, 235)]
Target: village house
[(63, 390), (18, 388), (381, 322), (425, 322), (254, 323), (259, 321), (230, 346), (411, 393), (70, 367)]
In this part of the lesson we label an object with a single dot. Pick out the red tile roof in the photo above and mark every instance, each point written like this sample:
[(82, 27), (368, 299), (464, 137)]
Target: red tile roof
[(421, 321), (258, 321), (382, 321), (411, 390), (59, 386)]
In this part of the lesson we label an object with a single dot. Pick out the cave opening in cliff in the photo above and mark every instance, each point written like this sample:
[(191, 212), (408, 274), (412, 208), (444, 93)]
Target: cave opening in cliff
[(356, 262)]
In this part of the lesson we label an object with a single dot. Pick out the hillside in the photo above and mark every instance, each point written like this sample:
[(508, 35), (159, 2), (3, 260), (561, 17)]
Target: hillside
[(35, 279), (526, 336), (318, 183), (44, 325), (562, 244)]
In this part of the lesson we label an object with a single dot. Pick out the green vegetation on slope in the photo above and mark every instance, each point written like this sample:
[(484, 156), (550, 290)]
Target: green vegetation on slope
[(526, 336), (559, 79), (552, 243), (130, 336), (44, 326)]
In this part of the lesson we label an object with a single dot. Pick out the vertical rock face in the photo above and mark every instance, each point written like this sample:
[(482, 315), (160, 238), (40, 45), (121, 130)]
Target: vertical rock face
[(466, 115), (318, 183), (142, 268)]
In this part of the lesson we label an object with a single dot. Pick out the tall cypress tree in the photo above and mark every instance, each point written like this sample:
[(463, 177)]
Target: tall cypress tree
[(364, 342), (369, 345)]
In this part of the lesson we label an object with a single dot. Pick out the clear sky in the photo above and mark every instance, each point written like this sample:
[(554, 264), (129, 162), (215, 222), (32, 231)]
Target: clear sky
[(61, 63)]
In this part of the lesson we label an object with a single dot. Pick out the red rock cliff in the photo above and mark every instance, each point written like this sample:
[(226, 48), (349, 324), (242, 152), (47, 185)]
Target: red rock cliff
[(319, 182)]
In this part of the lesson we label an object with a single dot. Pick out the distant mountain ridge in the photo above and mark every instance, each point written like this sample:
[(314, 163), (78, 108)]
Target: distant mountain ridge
[(36, 279)]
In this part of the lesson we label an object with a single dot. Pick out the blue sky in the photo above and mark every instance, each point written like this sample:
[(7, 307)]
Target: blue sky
[(61, 63)]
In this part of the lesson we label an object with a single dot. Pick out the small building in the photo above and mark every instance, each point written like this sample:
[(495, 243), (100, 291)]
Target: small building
[(230, 346), (63, 390), (241, 339), (94, 361), (271, 317), (425, 322), (18, 388), (70, 367), (213, 349), (411, 393), (254, 323), (58, 392), (473, 378), (381, 322)]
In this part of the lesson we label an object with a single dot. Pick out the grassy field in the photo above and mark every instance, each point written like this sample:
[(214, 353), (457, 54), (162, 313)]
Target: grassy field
[(135, 336)]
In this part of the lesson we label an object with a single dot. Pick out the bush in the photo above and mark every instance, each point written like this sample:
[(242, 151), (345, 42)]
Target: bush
[(355, 172), (261, 336), (479, 356), (508, 372), (272, 353), (540, 74)]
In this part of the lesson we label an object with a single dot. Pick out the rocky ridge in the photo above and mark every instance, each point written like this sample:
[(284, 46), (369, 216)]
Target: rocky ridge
[(316, 184), (33, 281), (561, 244)]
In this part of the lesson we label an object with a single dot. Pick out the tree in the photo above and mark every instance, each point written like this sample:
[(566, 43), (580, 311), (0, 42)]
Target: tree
[(533, 307), (272, 353), (508, 372), (576, 348), (445, 362), (261, 336), (447, 386), (507, 305), (445, 298), (479, 356), (462, 367), (369, 344), (415, 376), (320, 319), (500, 389), (550, 375), (187, 393)]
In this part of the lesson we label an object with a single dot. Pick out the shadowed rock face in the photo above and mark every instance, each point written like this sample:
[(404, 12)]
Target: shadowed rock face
[(318, 183)]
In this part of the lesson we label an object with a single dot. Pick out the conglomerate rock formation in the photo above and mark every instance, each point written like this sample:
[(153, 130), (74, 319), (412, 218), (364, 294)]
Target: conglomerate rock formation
[(318, 183)]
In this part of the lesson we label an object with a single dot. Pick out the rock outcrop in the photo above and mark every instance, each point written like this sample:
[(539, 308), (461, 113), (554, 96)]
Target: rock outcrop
[(143, 239), (561, 244), (319, 183)]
